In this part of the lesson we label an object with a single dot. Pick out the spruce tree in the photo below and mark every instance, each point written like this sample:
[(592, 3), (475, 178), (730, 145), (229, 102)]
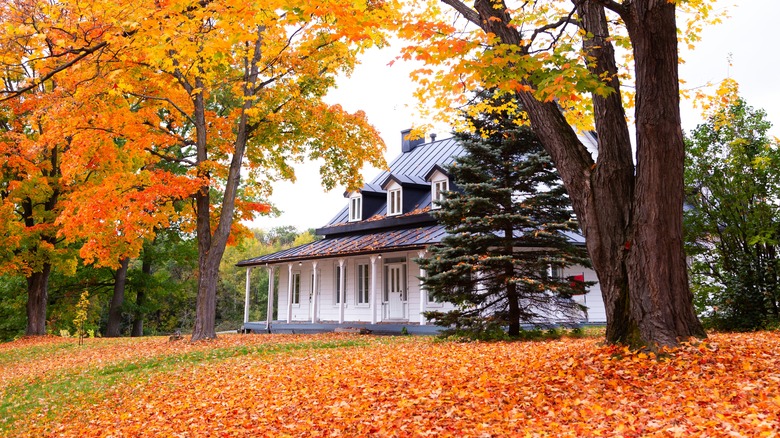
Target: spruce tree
[(507, 217)]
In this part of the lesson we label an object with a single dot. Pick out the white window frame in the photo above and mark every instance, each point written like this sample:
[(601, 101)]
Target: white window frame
[(355, 208), (395, 202), (363, 284), (556, 272), (296, 289), (438, 187)]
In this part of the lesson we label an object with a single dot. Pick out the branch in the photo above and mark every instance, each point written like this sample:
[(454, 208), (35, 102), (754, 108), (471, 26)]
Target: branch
[(83, 54), (613, 6), (170, 159), (165, 99), (562, 22), (468, 13)]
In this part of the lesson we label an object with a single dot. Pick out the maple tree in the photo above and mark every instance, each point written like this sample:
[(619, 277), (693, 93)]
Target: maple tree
[(216, 88), (560, 60), (67, 177), (240, 87)]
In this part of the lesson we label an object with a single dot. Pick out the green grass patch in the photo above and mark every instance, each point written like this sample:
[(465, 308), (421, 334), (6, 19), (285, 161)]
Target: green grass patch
[(89, 386), (22, 354)]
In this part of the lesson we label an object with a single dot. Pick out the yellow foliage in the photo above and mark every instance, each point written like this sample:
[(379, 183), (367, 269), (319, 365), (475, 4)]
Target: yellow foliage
[(462, 58)]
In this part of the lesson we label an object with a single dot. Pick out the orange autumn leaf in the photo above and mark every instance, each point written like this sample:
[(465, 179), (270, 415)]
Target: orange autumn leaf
[(347, 385)]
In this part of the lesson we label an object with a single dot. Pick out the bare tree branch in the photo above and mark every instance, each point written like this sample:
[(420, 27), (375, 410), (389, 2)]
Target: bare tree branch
[(467, 12), (82, 54), (165, 99)]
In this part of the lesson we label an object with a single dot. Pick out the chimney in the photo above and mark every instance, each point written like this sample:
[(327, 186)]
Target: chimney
[(433, 136), (408, 145)]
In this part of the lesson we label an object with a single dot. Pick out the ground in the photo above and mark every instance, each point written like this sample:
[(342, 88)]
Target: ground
[(358, 385)]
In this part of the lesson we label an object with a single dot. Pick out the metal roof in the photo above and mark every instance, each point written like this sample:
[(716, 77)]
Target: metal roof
[(382, 241), (381, 233), (411, 167)]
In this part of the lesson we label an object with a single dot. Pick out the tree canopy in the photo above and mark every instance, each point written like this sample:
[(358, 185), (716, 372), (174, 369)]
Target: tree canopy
[(732, 179), (201, 100)]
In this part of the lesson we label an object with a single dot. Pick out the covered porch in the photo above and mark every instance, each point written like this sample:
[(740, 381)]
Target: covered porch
[(353, 282)]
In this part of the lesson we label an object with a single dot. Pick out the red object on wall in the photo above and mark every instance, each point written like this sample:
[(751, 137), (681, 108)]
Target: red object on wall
[(578, 282)]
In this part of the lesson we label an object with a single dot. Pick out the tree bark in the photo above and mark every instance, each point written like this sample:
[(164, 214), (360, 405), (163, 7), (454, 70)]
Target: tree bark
[(37, 297), (211, 246), (140, 297), (631, 216), (113, 327), (661, 301)]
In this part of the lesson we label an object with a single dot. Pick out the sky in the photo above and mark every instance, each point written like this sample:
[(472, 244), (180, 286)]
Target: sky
[(385, 93)]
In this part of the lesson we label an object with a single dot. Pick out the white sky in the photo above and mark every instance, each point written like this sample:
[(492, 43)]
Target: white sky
[(385, 94)]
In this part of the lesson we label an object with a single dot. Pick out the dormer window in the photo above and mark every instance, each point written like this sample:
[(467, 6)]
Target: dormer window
[(394, 202), (355, 208), (437, 192)]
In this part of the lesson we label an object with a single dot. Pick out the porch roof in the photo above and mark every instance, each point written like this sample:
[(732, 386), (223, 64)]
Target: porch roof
[(356, 244)]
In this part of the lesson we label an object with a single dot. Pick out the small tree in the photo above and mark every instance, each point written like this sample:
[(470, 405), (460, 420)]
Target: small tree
[(81, 316), (506, 236), (732, 172)]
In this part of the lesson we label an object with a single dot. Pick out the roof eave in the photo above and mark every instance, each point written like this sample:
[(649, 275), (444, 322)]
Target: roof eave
[(247, 264)]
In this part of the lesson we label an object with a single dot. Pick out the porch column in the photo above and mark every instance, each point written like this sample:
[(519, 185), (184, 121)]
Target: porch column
[(423, 291), (246, 297), (373, 289), (315, 298), (342, 285), (289, 292), (270, 313)]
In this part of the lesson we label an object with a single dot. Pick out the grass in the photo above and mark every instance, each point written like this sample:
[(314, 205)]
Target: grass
[(560, 384), (88, 385)]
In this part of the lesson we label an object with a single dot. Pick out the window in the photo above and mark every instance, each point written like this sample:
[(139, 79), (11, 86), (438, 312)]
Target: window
[(339, 292), (362, 284), (556, 272), (437, 192), (296, 288), (394, 202), (355, 208)]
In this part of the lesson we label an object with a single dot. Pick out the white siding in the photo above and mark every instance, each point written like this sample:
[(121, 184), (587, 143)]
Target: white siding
[(593, 299), (329, 309)]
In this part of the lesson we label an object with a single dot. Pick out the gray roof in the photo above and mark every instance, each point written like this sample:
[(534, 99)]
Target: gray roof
[(383, 234), (411, 167), (384, 241), (372, 243)]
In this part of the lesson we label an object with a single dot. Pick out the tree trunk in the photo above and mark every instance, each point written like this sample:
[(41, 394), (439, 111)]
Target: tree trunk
[(37, 297), (211, 247), (661, 301), (140, 298), (206, 305), (113, 328), (631, 217)]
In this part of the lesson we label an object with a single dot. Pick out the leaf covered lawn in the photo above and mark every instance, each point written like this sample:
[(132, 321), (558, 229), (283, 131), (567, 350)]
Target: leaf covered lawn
[(346, 385)]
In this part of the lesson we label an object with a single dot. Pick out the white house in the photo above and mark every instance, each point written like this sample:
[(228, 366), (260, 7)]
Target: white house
[(363, 274)]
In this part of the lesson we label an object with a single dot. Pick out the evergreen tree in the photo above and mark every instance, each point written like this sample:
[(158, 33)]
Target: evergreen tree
[(507, 221)]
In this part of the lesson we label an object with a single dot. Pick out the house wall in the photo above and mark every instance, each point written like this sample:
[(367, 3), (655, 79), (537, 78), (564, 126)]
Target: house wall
[(593, 299), (354, 312)]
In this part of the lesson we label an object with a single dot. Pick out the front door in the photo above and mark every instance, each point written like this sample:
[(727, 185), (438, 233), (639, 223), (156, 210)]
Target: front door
[(395, 290)]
